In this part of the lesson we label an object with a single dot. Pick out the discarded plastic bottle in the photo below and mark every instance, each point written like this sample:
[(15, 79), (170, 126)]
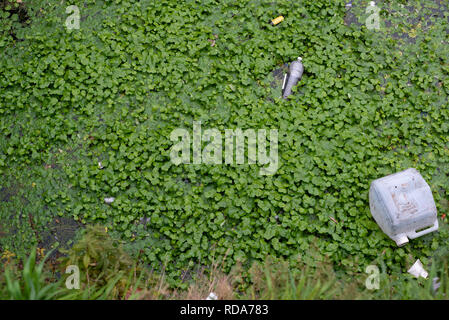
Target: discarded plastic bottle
[(292, 77), (402, 205)]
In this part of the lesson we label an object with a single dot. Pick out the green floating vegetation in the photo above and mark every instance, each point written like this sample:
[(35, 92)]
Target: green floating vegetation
[(370, 103)]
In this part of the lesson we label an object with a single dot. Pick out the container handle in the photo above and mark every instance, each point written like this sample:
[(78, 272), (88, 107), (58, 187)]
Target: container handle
[(413, 234)]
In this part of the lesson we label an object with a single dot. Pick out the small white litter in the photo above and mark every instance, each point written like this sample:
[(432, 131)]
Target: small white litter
[(417, 270), (109, 200), (212, 296), (436, 284), (100, 165)]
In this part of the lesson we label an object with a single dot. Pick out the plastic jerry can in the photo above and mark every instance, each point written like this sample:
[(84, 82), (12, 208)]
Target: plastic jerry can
[(402, 205)]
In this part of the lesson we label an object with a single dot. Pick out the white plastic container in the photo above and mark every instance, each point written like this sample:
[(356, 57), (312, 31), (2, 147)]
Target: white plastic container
[(402, 205)]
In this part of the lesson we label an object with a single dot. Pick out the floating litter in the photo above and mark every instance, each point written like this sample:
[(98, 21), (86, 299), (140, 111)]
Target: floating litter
[(402, 205)]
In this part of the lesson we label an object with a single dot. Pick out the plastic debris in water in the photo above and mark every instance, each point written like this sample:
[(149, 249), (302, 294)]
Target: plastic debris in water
[(212, 296), (294, 74), (436, 284), (109, 200), (417, 270), (402, 205), (277, 20)]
